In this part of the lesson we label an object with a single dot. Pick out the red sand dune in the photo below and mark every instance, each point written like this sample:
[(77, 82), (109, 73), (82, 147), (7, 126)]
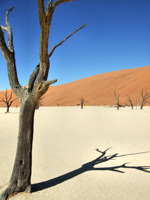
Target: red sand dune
[(98, 89)]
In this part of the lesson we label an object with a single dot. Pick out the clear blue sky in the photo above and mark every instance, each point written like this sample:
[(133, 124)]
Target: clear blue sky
[(117, 37)]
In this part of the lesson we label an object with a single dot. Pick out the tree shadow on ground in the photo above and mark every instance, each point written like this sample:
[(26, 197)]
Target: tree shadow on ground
[(89, 167)]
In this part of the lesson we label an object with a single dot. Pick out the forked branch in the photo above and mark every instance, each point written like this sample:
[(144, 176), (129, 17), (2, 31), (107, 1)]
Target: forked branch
[(45, 84), (45, 19)]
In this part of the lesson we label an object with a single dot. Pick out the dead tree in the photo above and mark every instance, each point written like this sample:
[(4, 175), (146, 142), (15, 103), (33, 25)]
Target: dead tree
[(82, 100), (28, 97), (130, 101), (144, 97), (7, 99), (117, 100)]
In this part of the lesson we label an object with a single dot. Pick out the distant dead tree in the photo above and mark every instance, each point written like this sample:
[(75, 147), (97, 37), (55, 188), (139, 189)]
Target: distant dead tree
[(7, 99), (130, 101), (144, 97), (117, 99), (82, 100)]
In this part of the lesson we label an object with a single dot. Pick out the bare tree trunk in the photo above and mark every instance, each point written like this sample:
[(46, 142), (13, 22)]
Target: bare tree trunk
[(117, 100), (81, 105), (141, 106), (28, 97), (130, 101), (21, 174), (117, 107), (7, 109)]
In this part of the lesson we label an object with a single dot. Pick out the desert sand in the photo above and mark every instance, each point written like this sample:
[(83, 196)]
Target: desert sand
[(66, 138), (98, 90)]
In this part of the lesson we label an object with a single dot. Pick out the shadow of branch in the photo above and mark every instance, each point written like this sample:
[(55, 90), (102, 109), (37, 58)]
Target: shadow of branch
[(89, 167)]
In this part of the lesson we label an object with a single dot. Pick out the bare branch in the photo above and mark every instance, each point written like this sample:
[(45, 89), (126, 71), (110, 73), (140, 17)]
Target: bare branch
[(115, 95), (8, 53), (49, 8), (60, 43), (45, 84), (45, 22), (9, 31), (3, 28), (3, 100), (50, 82), (53, 48), (41, 10), (56, 3), (33, 78), (3, 46), (10, 97)]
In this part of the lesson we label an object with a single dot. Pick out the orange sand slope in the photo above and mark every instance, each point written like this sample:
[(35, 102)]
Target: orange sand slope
[(98, 89)]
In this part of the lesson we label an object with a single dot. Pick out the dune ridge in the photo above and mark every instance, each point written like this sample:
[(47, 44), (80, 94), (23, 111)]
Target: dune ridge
[(98, 89)]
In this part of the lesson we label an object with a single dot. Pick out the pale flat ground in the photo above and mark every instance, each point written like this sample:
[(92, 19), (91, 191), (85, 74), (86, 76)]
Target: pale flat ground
[(65, 138)]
